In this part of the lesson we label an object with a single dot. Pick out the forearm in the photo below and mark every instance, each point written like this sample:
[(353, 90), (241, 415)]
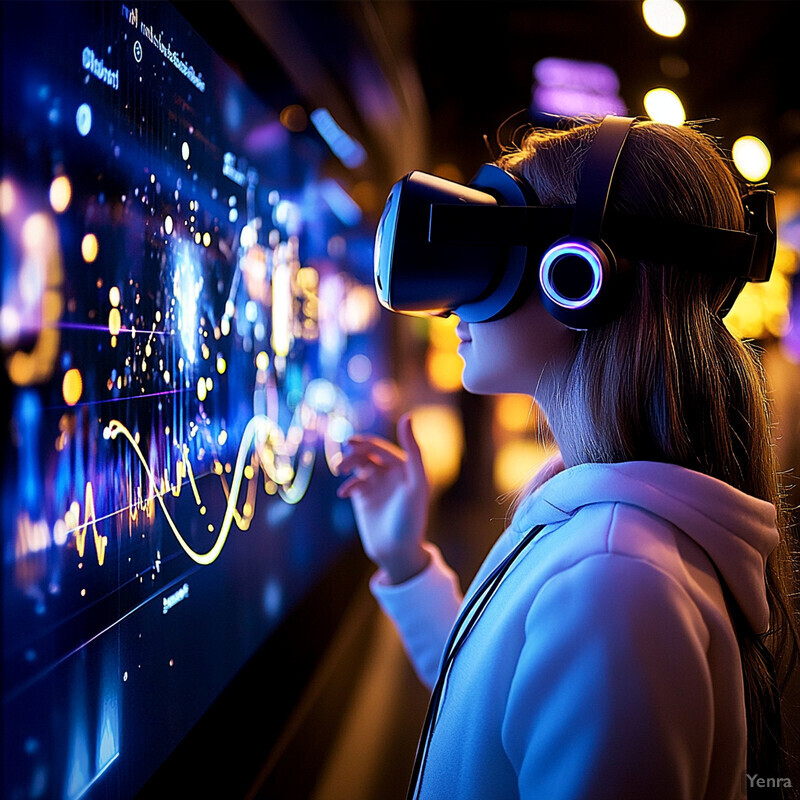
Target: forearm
[(423, 609)]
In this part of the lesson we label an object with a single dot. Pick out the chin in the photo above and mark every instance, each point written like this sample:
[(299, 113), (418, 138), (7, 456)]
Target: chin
[(481, 384)]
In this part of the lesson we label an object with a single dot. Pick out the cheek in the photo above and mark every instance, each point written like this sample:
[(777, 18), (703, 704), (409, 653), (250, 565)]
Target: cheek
[(516, 353), (497, 359)]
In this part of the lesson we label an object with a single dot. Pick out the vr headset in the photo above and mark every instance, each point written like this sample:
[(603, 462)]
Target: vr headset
[(480, 250)]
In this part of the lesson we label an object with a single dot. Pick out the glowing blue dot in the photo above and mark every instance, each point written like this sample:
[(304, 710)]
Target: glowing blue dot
[(233, 215), (83, 119), (273, 598)]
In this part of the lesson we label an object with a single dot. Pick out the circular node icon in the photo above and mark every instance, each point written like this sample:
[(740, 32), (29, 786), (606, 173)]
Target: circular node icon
[(83, 119)]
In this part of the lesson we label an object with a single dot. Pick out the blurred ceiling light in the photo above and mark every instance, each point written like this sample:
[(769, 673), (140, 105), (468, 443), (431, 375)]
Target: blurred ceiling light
[(752, 158), (664, 17), (663, 105)]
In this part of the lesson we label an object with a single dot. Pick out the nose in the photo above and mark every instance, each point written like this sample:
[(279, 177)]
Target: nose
[(462, 331)]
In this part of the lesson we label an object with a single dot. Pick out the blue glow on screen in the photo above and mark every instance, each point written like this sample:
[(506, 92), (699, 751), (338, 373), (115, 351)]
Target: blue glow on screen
[(180, 379)]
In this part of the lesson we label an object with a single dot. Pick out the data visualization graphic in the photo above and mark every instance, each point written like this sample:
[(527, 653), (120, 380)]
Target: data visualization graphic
[(189, 334)]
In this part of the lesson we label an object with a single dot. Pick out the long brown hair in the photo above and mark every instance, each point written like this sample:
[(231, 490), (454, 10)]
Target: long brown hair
[(666, 381)]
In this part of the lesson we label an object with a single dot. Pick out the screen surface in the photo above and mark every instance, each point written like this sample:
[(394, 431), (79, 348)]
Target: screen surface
[(188, 335)]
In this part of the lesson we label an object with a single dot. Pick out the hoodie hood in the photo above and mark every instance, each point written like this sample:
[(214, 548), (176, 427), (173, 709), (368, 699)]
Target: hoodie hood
[(737, 531)]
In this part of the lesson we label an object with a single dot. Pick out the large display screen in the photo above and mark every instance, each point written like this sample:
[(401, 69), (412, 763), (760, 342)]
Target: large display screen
[(189, 334)]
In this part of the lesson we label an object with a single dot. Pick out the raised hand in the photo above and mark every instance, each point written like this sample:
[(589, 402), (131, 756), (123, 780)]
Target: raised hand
[(390, 497)]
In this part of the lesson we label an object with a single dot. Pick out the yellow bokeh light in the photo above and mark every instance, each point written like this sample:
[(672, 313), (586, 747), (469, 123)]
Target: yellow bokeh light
[(752, 158), (72, 386), (517, 461), (663, 105), (60, 194), (114, 322), (513, 412), (202, 390), (89, 248), (114, 296), (262, 360), (762, 309), (442, 332), (308, 279), (444, 370), (664, 17), (440, 434), (443, 364)]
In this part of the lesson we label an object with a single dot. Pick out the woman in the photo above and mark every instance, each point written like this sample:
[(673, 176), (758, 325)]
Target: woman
[(628, 650)]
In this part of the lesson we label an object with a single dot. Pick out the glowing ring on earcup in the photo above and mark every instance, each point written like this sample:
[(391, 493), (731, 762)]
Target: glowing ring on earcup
[(570, 248)]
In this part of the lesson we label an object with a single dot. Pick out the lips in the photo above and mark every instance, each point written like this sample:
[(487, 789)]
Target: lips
[(462, 331)]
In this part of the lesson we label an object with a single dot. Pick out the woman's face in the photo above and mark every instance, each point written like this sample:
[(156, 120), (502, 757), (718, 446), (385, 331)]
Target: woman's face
[(523, 353)]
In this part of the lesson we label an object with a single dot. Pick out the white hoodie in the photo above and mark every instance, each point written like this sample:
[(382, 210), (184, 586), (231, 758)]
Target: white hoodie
[(606, 665)]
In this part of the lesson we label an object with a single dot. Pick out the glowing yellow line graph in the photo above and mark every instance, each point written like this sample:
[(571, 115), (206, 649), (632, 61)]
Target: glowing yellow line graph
[(272, 450), (90, 516), (254, 427)]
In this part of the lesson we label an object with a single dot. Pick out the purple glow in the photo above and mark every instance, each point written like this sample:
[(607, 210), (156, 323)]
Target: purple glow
[(270, 136), (570, 102), (563, 86), (588, 75)]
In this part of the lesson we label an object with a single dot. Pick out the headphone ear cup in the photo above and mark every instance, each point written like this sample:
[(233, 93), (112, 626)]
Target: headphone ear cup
[(575, 279)]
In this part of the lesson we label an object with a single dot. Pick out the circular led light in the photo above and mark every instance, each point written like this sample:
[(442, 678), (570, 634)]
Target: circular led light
[(563, 250)]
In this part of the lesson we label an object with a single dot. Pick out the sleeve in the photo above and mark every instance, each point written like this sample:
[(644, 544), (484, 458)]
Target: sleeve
[(423, 609), (612, 694)]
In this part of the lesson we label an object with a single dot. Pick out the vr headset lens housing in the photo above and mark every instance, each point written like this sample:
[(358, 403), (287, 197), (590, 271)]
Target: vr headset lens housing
[(414, 274)]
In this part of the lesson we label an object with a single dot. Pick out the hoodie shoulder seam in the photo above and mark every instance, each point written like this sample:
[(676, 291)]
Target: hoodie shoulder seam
[(632, 560)]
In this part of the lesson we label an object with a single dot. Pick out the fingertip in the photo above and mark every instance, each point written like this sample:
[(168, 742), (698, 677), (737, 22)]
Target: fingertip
[(404, 426)]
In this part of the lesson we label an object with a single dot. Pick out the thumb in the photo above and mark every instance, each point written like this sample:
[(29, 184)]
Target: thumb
[(407, 440)]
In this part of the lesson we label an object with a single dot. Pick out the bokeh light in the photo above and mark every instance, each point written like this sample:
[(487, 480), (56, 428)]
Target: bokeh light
[(664, 17), (663, 105), (60, 194), (89, 248), (72, 386), (752, 158), (439, 431)]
